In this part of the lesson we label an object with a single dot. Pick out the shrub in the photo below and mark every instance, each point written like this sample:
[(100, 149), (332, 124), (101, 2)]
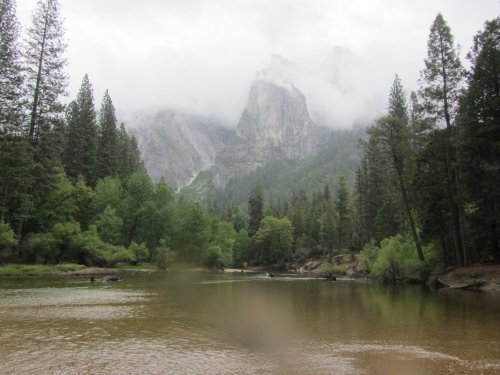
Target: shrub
[(95, 251), (213, 257), (397, 259), (331, 269), (164, 256), (140, 251), (7, 240), (42, 246)]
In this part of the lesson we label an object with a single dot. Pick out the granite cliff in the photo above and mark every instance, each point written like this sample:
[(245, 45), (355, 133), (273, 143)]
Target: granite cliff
[(275, 125), (176, 146)]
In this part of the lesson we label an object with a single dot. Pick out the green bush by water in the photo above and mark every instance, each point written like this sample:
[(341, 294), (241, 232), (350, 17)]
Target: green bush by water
[(396, 258)]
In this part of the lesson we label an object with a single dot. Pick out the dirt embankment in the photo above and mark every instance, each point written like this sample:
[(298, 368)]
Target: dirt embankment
[(474, 276), (484, 277), (347, 264)]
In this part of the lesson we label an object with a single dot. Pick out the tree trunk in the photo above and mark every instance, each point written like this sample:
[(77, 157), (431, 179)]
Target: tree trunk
[(409, 216), (455, 223), (451, 177), (494, 235), (34, 109)]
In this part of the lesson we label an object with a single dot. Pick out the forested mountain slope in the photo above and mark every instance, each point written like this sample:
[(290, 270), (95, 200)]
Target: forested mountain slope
[(338, 157)]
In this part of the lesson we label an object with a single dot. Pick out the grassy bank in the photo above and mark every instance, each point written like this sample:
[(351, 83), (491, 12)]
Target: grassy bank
[(69, 268), (36, 269)]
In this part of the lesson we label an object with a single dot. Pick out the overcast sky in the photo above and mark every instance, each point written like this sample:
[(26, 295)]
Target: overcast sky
[(202, 55)]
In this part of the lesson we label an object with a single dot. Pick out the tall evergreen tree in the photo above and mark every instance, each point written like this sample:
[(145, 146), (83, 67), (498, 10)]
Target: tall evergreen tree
[(342, 211), (108, 157), (255, 208), (479, 150), (393, 133), (14, 157), (80, 154), (45, 85), (441, 83), (45, 77), (130, 157), (11, 77)]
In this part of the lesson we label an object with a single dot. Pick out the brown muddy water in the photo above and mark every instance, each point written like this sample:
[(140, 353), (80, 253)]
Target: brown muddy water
[(243, 324)]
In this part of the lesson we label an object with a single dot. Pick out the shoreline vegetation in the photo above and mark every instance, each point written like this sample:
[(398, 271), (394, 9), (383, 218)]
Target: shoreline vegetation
[(479, 277)]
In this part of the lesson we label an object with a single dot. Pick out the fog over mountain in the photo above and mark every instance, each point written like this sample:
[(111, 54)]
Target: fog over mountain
[(200, 56), (275, 125)]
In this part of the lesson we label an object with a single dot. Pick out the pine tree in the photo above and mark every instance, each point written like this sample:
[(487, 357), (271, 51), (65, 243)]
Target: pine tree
[(15, 178), (108, 157), (45, 77), (397, 101), (442, 81), (80, 156), (255, 208), (393, 134), (342, 211), (11, 78), (130, 157), (362, 225), (479, 150), (45, 85)]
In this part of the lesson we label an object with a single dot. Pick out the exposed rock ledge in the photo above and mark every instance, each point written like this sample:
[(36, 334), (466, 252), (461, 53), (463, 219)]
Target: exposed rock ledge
[(475, 276)]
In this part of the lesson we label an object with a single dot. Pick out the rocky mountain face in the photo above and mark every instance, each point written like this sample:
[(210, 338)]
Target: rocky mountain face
[(177, 146), (275, 125)]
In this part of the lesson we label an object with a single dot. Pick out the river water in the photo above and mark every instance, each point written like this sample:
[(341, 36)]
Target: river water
[(185, 323)]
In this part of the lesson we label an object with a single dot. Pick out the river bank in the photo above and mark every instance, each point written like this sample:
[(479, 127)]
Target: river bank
[(71, 269), (484, 277)]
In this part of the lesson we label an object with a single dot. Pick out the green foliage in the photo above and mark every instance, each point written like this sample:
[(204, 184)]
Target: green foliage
[(223, 236), (255, 208), (41, 247), (164, 256), (140, 251), (274, 240), (107, 152), (54, 244), (396, 258), (280, 179), (109, 226), (129, 156), (241, 248), (64, 202), (108, 192), (443, 74), (7, 240), (214, 257), (478, 143), (65, 235), (193, 234), (343, 214), (80, 153), (25, 269), (331, 269), (95, 251), (137, 207)]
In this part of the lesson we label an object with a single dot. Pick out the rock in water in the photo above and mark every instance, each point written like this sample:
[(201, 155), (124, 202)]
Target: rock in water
[(110, 278)]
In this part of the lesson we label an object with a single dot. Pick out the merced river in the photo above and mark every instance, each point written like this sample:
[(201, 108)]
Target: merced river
[(197, 323)]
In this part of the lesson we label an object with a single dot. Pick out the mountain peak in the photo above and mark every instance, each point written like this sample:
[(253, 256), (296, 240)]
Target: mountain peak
[(275, 125)]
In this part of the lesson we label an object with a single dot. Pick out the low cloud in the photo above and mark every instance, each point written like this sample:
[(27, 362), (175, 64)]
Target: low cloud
[(201, 56)]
